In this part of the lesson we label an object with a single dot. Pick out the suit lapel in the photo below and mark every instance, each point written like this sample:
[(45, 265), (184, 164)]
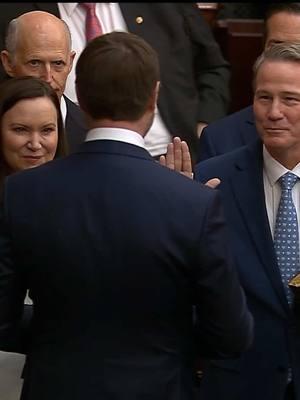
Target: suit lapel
[(247, 186), (132, 18)]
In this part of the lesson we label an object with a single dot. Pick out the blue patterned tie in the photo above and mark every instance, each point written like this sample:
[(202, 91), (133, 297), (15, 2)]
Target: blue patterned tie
[(286, 235)]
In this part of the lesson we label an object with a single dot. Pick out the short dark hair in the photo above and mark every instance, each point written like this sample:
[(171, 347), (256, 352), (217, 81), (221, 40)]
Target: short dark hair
[(274, 8), (116, 75), (12, 91)]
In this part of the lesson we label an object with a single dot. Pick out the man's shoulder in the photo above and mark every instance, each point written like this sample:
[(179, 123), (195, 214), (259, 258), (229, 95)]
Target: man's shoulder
[(221, 164), (232, 120)]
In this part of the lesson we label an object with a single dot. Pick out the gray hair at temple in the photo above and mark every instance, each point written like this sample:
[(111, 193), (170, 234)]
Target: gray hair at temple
[(12, 32), (286, 51)]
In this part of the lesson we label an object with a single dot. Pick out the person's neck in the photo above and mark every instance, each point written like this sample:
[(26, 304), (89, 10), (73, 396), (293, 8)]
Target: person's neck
[(286, 158), (108, 123)]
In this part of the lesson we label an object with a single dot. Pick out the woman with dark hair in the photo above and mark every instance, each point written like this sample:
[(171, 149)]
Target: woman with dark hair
[(31, 133), (31, 127)]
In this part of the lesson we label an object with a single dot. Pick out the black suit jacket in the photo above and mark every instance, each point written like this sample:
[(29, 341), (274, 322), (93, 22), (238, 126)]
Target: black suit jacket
[(194, 74), (114, 276)]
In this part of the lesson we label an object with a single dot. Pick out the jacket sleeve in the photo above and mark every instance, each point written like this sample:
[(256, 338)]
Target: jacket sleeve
[(224, 323)]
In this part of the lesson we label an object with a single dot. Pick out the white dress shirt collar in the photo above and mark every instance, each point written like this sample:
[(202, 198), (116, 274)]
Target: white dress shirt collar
[(63, 109), (118, 134), (70, 7), (274, 170)]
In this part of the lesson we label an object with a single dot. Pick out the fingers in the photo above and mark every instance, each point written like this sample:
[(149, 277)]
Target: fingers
[(162, 161), (213, 183), (178, 154), (178, 157), (186, 159), (170, 156)]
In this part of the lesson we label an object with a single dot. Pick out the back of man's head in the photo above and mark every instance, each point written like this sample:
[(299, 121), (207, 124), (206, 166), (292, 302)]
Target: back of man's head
[(116, 75)]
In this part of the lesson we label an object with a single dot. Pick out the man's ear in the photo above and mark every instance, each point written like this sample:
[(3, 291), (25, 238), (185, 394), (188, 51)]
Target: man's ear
[(72, 56), (157, 88), (154, 97), (7, 63)]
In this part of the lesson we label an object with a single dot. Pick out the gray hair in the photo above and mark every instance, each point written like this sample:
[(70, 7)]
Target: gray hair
[(11, 38), (286, 51)]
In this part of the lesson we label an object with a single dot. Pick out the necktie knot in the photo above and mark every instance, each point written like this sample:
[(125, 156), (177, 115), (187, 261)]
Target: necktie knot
[(90, 7), (93, 27), (288, 181)]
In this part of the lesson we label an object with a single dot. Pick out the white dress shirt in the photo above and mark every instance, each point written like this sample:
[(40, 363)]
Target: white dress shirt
[(111, 19), (63, 109)]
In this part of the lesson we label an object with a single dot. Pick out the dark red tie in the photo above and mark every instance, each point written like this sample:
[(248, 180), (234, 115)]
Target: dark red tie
[(92, 23)]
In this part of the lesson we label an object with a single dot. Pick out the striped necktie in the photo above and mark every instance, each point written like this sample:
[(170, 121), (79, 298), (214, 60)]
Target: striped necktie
[(92, 24)]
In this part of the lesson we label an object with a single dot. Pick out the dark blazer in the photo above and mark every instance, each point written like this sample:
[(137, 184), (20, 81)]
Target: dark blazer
[(74, 126), (114, 275), (227, 134), (194, 74), (261, 372)]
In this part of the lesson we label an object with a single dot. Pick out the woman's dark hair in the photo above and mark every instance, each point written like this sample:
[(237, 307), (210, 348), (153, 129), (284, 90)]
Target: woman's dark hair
[(14, 90)]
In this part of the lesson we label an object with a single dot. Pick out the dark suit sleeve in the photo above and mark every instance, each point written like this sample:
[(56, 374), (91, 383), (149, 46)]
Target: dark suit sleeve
[(225, 326), (212, 71), (12, 291)]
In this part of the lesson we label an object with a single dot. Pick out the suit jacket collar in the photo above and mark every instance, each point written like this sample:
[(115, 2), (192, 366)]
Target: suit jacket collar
[(248, 189), (115, 147)]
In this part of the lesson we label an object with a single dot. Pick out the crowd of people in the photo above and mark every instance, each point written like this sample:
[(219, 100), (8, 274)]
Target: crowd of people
[(153, 233)]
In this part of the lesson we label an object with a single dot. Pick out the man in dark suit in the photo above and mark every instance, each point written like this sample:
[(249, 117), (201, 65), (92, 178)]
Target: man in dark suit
[(250, 186), (282, 23), (39, 44), (195, 76), (116, 274)]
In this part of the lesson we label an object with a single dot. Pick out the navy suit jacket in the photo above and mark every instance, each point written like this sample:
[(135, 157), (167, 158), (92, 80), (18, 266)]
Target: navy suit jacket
[(114, 275), (194, 74), (261, 372), (227, 134)]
